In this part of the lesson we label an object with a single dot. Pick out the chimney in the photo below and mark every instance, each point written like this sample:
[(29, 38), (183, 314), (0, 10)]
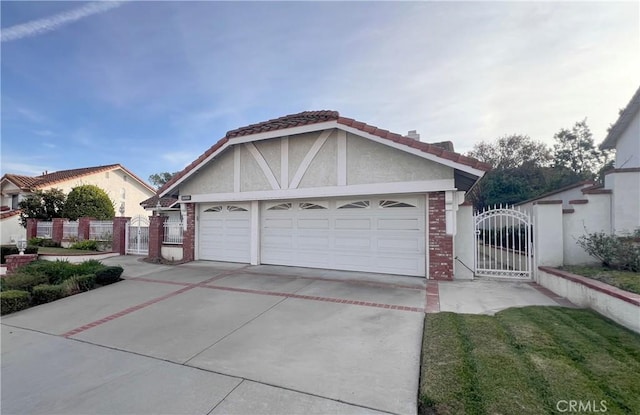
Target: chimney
[(413, 134)]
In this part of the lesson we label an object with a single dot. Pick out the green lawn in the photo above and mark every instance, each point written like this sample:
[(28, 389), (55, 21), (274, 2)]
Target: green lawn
[(625, 280), (64, 251), (527, 360)]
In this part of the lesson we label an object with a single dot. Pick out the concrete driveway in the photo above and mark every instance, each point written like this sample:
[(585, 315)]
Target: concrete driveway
[(225, 338), (219, 338)]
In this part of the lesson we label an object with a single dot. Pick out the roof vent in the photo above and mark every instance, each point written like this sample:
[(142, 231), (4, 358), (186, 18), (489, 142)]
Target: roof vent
[(413, 134)]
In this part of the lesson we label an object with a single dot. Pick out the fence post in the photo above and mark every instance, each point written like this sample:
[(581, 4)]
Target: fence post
[(83, 228), (32, 228), (156, 236), (548, 246), (57, 225), (119, 244)]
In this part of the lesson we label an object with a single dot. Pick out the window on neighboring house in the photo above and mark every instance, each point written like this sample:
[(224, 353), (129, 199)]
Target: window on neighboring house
[(15, 200)]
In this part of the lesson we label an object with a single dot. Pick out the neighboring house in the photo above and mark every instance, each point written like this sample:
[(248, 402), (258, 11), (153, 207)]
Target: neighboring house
[(124, 188), (319, 190), (624, 179)]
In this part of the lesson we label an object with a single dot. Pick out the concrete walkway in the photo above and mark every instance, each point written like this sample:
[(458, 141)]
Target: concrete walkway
[(225, 338)]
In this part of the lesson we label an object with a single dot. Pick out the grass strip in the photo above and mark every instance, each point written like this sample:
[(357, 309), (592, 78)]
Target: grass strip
[(473, 401), (585, 359)]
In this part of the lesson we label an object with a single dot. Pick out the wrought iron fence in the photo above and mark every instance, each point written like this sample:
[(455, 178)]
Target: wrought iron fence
[(70, 230), (44, 230), (101, 230), (173, 232)]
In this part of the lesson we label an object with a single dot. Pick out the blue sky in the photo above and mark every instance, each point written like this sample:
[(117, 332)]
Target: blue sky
[(151, 85)]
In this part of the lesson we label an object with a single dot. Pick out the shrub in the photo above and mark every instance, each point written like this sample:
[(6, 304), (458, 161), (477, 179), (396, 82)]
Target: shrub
[(23, 282), (56, 271), (79, 283), (89, 267), (6, 250), (46, 293), (14, 300), (614, 251), (108, 275), (87, 245), (44, 242)]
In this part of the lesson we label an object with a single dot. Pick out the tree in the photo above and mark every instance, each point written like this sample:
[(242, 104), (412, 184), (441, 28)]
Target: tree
[(160, 179), (512, 151), (88, 200), (575, 150), (43, 205)]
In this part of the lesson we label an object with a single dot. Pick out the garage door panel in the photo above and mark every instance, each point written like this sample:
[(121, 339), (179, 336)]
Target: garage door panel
[(224, 233), (353, 223), (368, 236), (412, 224)]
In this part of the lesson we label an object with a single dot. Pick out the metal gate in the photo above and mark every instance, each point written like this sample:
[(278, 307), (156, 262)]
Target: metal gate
[(504, 245), (138, 236)]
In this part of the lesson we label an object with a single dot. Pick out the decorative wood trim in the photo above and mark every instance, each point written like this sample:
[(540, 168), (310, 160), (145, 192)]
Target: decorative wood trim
[(284, 162), (330, 191), (342, 158), (255, 233), (266, 170), (306, 162), (236, 169)]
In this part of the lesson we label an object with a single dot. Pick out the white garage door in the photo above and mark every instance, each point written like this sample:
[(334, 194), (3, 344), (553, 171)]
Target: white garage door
[(224, 232), (384, 235)]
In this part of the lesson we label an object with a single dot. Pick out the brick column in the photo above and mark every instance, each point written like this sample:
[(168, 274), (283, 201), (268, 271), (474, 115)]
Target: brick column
[(440, 244), (17, 260), (83, 228), (119, 243), (32, 228), (189, 235), (57, 229), (156, 236)]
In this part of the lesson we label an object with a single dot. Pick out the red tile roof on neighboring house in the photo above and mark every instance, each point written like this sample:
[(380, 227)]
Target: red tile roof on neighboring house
[(316, 117), (152, 202), (10, 213), (31, 183)]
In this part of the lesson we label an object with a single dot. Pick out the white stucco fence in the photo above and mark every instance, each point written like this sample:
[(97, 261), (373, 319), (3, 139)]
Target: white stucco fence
[(618, 305)]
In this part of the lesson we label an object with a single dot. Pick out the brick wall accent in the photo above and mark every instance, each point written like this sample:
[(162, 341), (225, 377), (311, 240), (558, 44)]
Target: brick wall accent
[(440, 244), (56, 229), (119, 243), (156, 236), (32, 228), (17, 260), (83, 228), (189, 235)]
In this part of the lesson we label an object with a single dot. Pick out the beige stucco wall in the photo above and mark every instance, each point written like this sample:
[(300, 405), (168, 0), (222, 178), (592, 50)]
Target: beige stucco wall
[(113, 183), (367, 162), (371, 162)]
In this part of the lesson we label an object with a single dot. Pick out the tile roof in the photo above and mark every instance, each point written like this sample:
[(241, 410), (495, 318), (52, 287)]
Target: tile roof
[(10, 213), (152, 202), (625, 118), (30, 183), (315, 117)]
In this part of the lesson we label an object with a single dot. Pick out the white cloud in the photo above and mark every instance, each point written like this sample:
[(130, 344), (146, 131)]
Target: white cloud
[(47, 24)]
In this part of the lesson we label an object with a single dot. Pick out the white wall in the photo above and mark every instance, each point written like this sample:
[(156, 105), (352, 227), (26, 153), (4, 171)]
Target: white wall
[(591, 217), (11, 230), (628, 145), (565, 196), (464, 244), (625, 186), (548, 235)]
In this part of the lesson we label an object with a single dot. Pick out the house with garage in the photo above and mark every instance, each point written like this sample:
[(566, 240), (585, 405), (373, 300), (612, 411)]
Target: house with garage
[(319, 190), (125, 189)]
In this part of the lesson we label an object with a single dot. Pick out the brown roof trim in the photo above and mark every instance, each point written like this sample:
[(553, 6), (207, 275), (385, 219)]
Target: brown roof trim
[(578, 202), (562, 189), (5, 215), (623, 170), (568, 210), (548, 202), (622, 123), (316, 117), (597, 191)]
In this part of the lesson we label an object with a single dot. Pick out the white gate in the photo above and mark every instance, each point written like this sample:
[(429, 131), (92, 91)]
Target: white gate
[(504, 245), (137, 236)]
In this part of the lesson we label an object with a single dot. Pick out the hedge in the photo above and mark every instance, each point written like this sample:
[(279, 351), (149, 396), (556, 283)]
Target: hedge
[(79, 283), (57, 271), (6, 250), (108, 275), (46, 293), (14, 300), (23, 282)]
